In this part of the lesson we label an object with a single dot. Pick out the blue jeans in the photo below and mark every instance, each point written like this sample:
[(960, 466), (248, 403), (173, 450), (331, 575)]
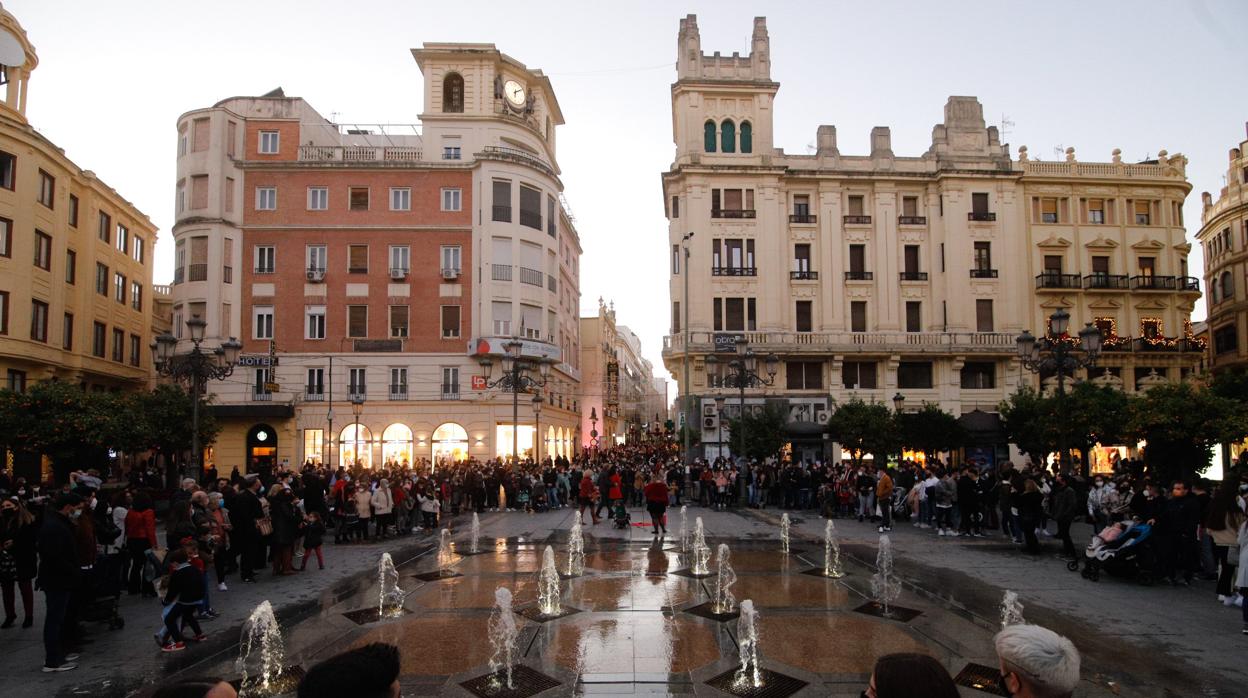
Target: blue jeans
[(552, 494), (57, 605)]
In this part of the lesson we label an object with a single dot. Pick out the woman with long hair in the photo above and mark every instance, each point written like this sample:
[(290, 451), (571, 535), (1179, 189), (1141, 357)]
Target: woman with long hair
[(1223, 522), (18, 542)]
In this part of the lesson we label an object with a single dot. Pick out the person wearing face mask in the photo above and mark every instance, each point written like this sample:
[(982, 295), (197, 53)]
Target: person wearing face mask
[(58, 575), (1097, 512), (1222, 524), (18, 563), (1036, 662)]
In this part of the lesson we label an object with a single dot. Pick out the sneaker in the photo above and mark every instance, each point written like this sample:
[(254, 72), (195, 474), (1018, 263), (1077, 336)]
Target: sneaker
[(1225, 600), (66, 666), (199, 638), (940, 532), (1239, 601), (978, 535), (222, 587), (174, 647), (880, 529), (72, 657), (1244, 631), (160, 640)]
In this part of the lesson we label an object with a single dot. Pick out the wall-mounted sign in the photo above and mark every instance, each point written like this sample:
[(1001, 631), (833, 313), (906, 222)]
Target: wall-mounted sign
[(529, 348), (379, 345), (725, 342), (256, 360)]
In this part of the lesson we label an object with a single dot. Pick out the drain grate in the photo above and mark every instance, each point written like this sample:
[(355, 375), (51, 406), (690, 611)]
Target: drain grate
[(707, 610), (818, 572), (533, 613), (436, 575), (286, 682), (691, 574), (775, 685), (981, 678), (364, 616), (525, 682), (897, 613)]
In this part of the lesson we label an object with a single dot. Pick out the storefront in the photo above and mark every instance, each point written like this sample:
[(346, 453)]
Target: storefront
[(253, 438), (450, 444), (986, 444)]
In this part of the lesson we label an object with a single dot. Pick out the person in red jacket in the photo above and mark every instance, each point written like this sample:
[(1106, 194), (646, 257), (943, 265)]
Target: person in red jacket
[(655, 493), (140, 537), (586, 497)]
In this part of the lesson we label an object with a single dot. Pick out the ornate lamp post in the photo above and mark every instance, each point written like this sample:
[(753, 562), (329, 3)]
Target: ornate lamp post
[(516, 379), (593, 428), (719, 422), (1058, 352), (197, 367), (357, 408), (743, 373), (537, 428), (899, 401)]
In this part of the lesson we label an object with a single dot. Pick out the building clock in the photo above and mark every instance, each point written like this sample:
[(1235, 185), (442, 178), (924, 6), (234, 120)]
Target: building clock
[(515, 94)]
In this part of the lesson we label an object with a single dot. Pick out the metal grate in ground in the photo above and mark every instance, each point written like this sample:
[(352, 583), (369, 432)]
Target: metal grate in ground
[(707, 610), (775, 685), (897, 613), (981, 678), (525, 682)]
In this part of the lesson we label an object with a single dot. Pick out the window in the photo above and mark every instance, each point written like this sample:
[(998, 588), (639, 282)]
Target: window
[(269, 141), (452, 199), (1048, 210), (803, 322), (16, 381), (98, 334), (400, 258), (914, 321), (137, 250), (357, 321), (1096, 211), (675, 210), (675, 260), (709, 136), (550, 216), (1143, 212), (451, 152), (8, 170), (266, 198), (803, 375), (530, 207), (732, 203), (1228, 286), (182, 141), (801, 208), (451, 257), (983, 315), (502, 201), (501, 313), (1052, 264), (735, 314), (732, 257), (4, 312), (119, 287), (73, 210), (910, 256), (261, 377), (315, 323), (1225, 340), (910, 207), (47, 189), (43, 250), (105, 231), (857, 261), (857, 316), (983, 256), (315, 382), (1100, 266), (450, 383), (199, 191), (316, 257), (6, 237), (728, 136), (318, 198), (400, 199), (263, 326), (229, 195), (398, 384), (101, 279), (136, 295), (178, 325), (979, 375), (858, 375), (675, 317), (39, 321), (453, 93), (67, 332), (747, 137), (358, 198), (180, 200), (265, 257), (450, 321), (119, 349), (357, 259), (979, 207), (398, 321), (356, 384), (135, 352), (856, 205), (1147, 266), (914, 374)]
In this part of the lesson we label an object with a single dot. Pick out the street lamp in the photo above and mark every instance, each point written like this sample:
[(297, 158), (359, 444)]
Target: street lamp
[(899, 401), (743, 373), (1061, 354), (516, 378), (537, 428), (719, 422), (686, 397), (197, 366), (357, 408), (593, 428)]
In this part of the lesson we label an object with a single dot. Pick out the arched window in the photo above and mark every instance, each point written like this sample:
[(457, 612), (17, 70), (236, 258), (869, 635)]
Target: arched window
[(728, 136), (453, 93), (355, 446), (450, 444), (708, 136), (1213, 290), (396, 446), (747, 137), (1228, 286)]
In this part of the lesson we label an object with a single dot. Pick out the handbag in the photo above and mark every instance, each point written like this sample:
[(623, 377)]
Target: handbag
[(8, 566), (264, 526)]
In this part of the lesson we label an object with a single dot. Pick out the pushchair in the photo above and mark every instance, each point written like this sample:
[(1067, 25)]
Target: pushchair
[(1122, 550), (103, 596), (620, 515)]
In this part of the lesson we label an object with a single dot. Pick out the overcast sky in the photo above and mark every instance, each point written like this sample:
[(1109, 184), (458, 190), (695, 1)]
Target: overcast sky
[(1141, 76)]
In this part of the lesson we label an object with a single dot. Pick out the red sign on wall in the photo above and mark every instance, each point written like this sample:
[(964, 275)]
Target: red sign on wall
[(478, 382)]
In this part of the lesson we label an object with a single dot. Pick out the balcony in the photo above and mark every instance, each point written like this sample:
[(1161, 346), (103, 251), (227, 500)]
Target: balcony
[(551, 284), (1053, 279), (355, 393), (1167, 344), (261, 397), (1106, 282), (500, 272), (983, 273), (883, 343), (197, 272), (856, 220), (398, 392), (1188, 283), (357, 153), (913, 276), (911, 220), (1152, 282), (734, 271), (532, 219), (859, 276), (501, 214), (804, 218), (496, 152), (732, 213), (450, 392), (314, 393), (804, 275), (981, 216), (532, 277)]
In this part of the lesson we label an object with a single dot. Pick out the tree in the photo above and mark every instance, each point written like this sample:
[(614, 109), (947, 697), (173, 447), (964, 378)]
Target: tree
[(72, 427), (167, 423), (1180, 424), (862, 428), (1095, 414), (763, 432), (931, 430), (1028, 420)]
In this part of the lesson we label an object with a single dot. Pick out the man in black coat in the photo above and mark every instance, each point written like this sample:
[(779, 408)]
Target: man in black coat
[(246, 510), (314, 493), (968, 503), (1178, 517), (58, 576)]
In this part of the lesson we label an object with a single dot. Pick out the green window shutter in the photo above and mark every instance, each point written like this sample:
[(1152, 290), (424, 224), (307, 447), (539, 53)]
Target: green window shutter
[(709, 136), (728, 137), (747, 137)]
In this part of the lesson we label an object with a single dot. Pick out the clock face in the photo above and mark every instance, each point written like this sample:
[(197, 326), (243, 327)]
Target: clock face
[(514, 92)]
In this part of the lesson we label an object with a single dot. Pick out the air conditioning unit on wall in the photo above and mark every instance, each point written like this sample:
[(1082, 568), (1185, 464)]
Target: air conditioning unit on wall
[(710, 423)]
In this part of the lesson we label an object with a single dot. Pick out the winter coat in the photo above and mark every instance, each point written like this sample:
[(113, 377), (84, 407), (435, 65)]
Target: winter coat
[(1065, 504), (363, 500), (946, 493), (186, 585), (141, 525), (58, 556), (382, 501), (884, 488)]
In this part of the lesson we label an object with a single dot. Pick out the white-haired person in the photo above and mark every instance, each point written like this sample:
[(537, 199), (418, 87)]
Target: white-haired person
[(1037, 662)]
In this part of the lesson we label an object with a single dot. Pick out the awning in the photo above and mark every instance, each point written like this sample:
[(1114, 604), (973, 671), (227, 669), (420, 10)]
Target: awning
[(982, 428)]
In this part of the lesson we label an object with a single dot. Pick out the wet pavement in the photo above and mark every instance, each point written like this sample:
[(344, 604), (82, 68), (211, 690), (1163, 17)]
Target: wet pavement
[(632, 632)]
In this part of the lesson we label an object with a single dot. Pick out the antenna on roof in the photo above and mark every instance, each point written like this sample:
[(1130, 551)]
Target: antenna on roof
[(1005, 126)]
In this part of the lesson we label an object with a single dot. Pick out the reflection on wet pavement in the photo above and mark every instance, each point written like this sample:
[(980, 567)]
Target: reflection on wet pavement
[(632, 643), (596, 593), (791, 591), (840, 643), (435, 644)]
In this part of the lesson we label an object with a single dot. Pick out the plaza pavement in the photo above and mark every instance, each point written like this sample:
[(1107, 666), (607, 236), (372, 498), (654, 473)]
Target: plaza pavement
[(1135, 640)]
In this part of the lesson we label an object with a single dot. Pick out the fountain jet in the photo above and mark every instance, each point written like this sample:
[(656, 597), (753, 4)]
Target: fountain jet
[(831, 552), (261, 655), (750, 675), (684, 528), (701, 553), (445, 556), (576, 550), (725, 577), (784, 533), (1011, 610), (885, 586), (502, 631), (473, 546), (390, 598), (548, 585)]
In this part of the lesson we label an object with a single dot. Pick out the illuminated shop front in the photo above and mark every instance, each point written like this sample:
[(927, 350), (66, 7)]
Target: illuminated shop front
[(356, 446), (450, 444), (396, 446), (503, 440)]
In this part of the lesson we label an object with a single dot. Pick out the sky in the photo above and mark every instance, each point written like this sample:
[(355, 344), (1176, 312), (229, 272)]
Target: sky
[(1139, 75)]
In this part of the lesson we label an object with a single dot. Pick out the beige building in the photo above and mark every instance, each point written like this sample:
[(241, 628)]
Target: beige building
[(618, 383), (880, 274), (75, 272)]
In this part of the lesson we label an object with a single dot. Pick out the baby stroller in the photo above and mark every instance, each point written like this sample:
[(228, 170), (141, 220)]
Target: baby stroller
[(620, 515), (1123, 550), (104, 592)]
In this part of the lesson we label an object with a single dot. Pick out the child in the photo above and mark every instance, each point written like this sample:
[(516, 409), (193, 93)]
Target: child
[(429, 507), (313, 536), (186, 592)]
